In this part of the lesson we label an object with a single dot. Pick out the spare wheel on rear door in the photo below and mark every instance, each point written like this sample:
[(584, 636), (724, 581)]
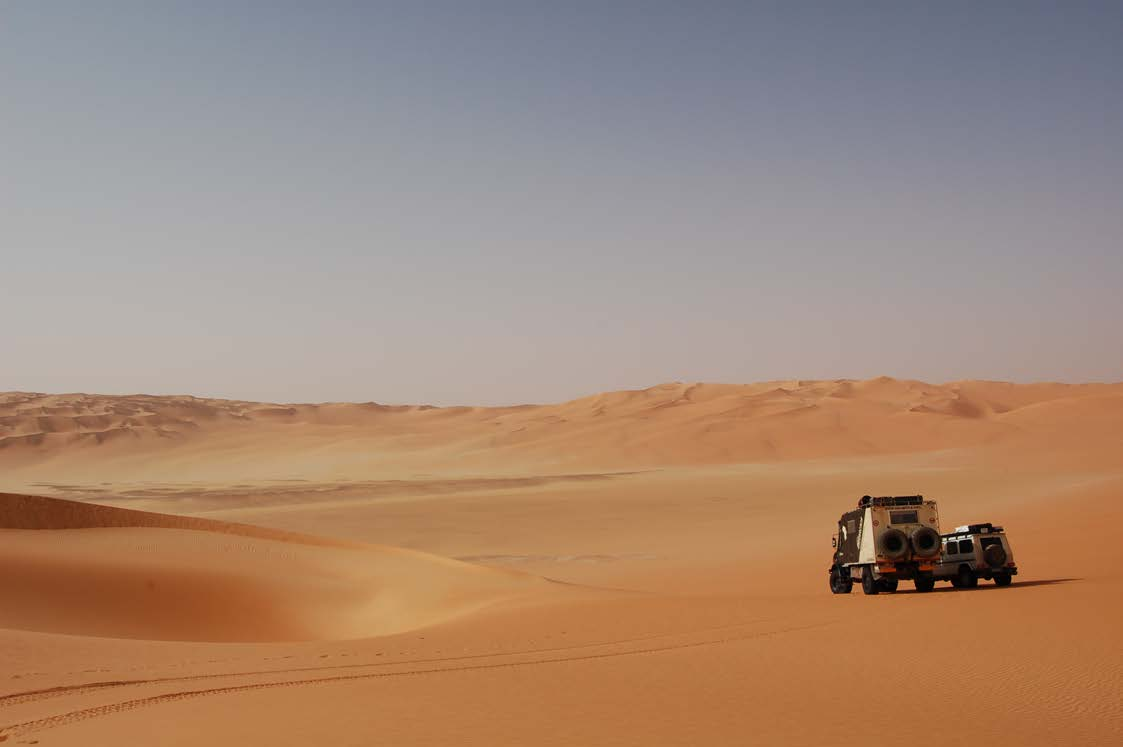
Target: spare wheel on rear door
[(995, 556), (894, 544), (925, 541)]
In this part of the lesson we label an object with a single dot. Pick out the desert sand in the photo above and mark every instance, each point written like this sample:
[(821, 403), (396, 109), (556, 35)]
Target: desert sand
[(641, 567)]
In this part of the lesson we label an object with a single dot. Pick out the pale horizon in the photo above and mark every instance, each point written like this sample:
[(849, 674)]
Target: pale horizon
[(563, 400)]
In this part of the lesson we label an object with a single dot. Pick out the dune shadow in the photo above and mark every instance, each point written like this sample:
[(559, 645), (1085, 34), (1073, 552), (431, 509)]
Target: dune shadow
[(989, 586)]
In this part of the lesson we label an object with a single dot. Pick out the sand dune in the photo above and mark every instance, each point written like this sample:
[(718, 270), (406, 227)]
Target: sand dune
[(93, 570), (183, 438), (293, 576)]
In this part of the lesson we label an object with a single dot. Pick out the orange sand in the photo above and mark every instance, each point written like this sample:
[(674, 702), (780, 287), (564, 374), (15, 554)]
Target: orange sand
[(357, 574)]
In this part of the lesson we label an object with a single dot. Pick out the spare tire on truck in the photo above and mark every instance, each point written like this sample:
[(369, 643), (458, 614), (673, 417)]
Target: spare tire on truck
[(894, 544), (925, 542), (995, 556)]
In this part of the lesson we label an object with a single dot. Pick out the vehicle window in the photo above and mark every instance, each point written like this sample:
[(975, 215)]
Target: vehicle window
[(902, 517), (953, 547), (966, 545), (850, 527)]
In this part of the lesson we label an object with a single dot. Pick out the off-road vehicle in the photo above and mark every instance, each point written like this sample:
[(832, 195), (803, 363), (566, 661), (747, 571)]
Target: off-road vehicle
[(885, 540), (975, 551)]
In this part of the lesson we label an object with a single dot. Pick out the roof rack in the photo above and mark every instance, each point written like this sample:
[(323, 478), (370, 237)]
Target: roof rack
[(984, 528), (890, 500)]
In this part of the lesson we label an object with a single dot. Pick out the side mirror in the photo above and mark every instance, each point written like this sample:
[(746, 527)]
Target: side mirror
[(834, 541)]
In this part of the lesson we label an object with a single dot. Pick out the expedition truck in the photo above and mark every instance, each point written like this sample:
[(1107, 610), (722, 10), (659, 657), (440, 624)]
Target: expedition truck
[(975, 551), (884, 540)]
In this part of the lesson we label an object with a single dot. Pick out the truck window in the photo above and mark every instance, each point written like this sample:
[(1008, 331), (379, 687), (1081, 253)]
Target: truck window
[(966, 545), (952, 548), (850, 526), (902, 517)]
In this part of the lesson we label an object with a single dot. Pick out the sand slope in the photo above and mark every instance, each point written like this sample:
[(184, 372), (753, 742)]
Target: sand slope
[(93, 570)]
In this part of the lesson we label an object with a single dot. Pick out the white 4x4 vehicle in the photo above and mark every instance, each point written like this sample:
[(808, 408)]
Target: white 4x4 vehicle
[(975, 551)]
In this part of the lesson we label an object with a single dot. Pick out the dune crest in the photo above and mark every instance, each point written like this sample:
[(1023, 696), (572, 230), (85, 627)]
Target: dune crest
[(92, 570)]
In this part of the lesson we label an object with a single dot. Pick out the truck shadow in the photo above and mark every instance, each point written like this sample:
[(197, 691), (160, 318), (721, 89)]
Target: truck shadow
[(989, 586)]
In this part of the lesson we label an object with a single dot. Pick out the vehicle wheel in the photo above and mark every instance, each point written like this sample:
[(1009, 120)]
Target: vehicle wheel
[(1002, 579), (967, 579), (924, 583), (894, 544), (955, 582), (888, 584), (995, 556), (869, 583), (925, 542), (840, 584)]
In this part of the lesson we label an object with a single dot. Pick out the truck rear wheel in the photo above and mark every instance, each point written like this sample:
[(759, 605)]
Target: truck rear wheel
[(888, 584), (1002, 579), (967, 579), (869, 583), (924, 583)]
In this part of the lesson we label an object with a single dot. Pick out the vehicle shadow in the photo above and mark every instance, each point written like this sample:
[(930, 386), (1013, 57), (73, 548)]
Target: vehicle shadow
[(990, 586)]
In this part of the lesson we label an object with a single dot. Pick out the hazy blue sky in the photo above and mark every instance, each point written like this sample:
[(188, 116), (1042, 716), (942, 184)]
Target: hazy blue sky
[(437, 202)]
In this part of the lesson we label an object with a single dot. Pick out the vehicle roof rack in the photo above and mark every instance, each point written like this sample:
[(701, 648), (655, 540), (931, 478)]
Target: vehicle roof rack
[(984, 528), (890, 500)]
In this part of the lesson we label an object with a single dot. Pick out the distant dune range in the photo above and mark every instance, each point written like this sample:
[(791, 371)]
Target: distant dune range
[(179, 438), (641, 567)]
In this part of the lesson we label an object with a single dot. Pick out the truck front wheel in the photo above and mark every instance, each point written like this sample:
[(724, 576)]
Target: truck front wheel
[(841, 582), (924, 583)]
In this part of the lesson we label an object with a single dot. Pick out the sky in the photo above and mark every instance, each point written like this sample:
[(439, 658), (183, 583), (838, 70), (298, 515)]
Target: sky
[(507, 202)]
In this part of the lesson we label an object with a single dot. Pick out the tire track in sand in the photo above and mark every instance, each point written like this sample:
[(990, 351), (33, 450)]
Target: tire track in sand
[(30, 696), (84, 714)]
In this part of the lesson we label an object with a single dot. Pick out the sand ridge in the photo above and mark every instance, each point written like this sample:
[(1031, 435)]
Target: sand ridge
[(84, 569), (170, 439)]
